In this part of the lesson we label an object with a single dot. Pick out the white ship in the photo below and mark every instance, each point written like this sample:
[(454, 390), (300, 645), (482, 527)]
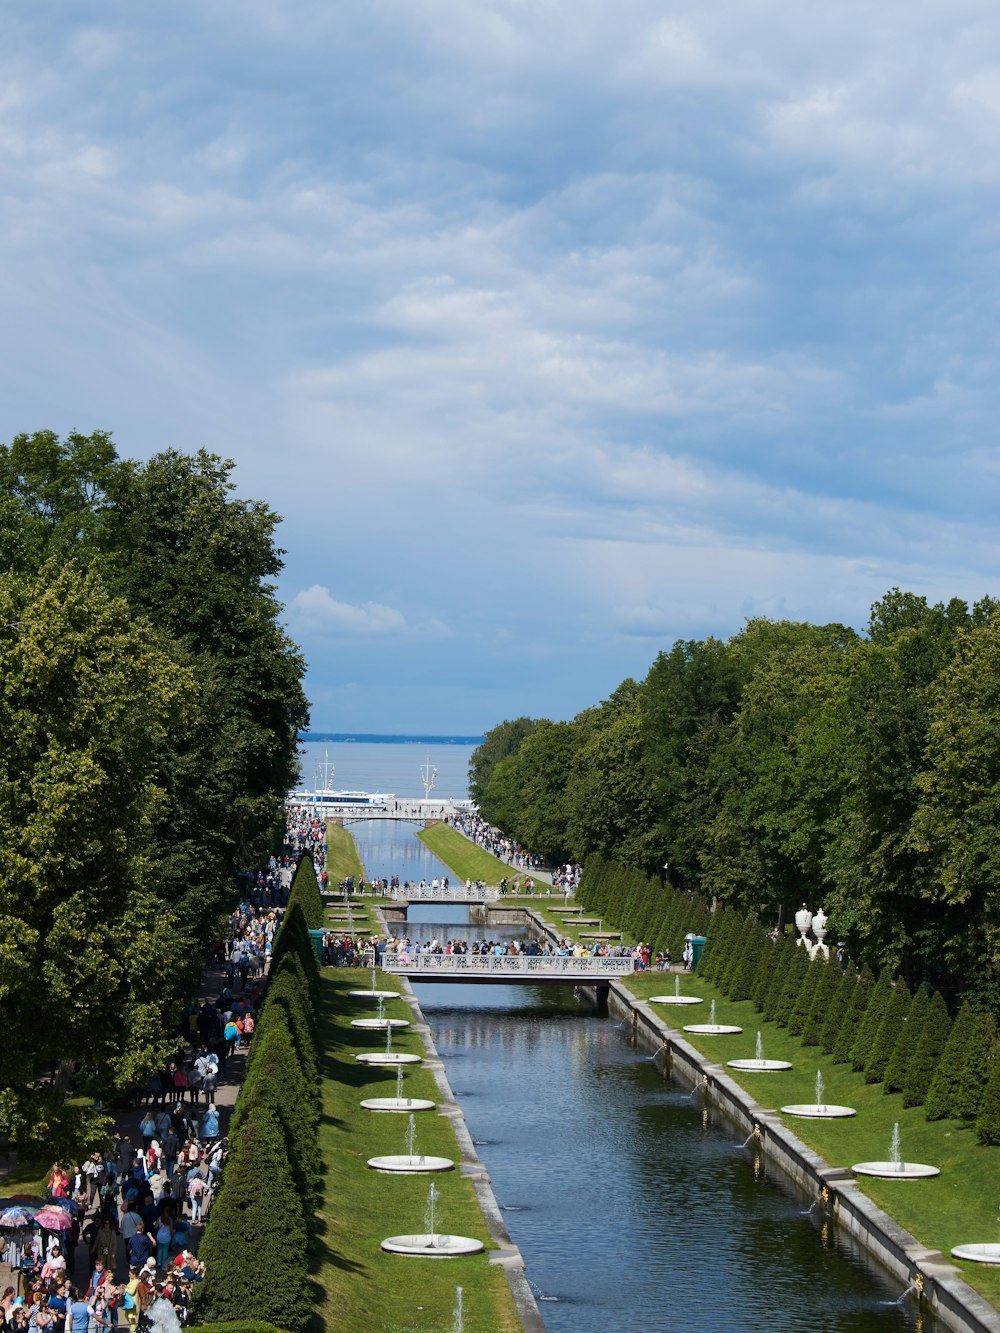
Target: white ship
[(323, 798)]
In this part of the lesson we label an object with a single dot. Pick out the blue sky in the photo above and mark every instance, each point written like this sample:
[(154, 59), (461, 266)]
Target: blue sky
[(556, 330)]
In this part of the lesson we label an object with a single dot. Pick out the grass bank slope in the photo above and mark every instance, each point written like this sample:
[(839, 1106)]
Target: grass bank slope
[(464, 858)]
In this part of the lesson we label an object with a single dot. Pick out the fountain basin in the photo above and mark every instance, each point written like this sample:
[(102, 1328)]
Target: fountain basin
[(896, 1170), (375, 994), (387, 1058), (397, 1104), (675, 999), (426, 1246), (760, 1066), (410, 1165), (814, 1111), (711, 1029), (987, 1253), (381, 1023)]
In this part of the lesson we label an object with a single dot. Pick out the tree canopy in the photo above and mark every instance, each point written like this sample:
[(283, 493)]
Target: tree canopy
[(796, 762), (148, 719)]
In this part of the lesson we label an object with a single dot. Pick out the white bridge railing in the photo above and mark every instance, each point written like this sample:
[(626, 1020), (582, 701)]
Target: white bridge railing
[(454, 893), (523, 965)]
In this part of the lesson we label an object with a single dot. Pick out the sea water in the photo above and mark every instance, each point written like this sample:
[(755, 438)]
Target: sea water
[(389, 763)]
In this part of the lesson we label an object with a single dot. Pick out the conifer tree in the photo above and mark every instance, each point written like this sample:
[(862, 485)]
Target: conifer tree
[(988, 1115), (798, 963), (907, 1039), (766, 960), (897, 1006), (867, 1029), (715, 949), (925, 1058), (784, 956), (846, 1028), (305, 891), (978, 1057), (827, 990), (743, 974), (940, 1099), (802, 1004), (836, 1011), (276, 1081), (256, 1212)]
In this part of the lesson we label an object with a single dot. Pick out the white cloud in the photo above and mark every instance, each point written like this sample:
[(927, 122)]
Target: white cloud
[(314, 609)]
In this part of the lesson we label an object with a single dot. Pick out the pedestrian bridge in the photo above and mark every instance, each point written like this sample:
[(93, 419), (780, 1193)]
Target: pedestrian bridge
[(532, 968), (454, 893)]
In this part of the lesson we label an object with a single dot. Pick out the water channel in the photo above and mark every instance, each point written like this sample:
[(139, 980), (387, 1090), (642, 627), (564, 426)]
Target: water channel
[(629, 1202)]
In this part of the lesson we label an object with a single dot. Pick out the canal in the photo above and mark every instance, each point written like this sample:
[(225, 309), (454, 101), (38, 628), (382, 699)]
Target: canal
[(628, 1201)]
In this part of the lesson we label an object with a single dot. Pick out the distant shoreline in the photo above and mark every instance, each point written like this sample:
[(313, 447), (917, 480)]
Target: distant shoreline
[(368, 738)]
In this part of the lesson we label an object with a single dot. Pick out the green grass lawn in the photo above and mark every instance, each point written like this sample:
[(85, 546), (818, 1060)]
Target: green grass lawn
[(959, 1206), (364, 1288), (342, 858), (464, 858)]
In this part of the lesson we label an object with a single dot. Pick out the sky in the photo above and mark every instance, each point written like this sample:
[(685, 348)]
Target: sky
[(556, 330)]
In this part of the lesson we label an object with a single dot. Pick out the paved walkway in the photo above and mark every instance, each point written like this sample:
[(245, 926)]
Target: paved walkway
[(127, 1121)]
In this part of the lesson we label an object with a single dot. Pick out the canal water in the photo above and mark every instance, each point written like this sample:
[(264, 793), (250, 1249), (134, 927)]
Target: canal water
[(630, 1203)]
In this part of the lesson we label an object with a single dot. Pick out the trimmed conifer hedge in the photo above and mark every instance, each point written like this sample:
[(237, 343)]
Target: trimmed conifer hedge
[(978, 1056), (927, 1055), (988, 1116), (801, 1007), (256, 1240), (867, 1030), (897, 1006), (255, 1244), (939, 1103), (824, 1000), (304, 890), (907, 1039)]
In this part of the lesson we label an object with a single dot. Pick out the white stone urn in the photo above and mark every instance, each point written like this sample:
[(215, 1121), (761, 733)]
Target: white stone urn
[(803, 920), (819, 925)]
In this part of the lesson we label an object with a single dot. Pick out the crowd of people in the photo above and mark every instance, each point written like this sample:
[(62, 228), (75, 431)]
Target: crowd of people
[(492, 840), (137, 1206)]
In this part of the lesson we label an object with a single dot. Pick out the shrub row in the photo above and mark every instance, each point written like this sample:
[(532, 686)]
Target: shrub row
[(257, 1240), (641, 906), (908, 1043)]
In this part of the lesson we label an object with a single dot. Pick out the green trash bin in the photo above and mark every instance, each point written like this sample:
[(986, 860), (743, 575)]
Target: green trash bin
[(317, 939), (697, 945)]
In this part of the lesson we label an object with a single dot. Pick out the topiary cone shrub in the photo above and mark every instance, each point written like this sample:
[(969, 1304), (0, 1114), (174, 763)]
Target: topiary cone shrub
[(939, 1103), (907, 1039), (893, 1017), (925, 1058), (254, 1246)]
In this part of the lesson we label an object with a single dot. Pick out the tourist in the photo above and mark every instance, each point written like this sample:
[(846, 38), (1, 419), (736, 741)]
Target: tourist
[(77, 1314), (57, 1183)]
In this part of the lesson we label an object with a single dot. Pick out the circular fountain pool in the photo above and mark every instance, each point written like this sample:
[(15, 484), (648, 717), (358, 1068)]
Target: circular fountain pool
[(437, 1246)]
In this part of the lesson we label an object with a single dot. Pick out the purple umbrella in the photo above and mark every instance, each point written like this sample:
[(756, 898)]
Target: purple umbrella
[(53, 1219), (14, 1216), (67, 1205)]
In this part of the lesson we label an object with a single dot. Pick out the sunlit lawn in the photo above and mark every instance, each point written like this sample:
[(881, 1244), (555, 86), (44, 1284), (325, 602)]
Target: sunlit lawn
[(342, 858)]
